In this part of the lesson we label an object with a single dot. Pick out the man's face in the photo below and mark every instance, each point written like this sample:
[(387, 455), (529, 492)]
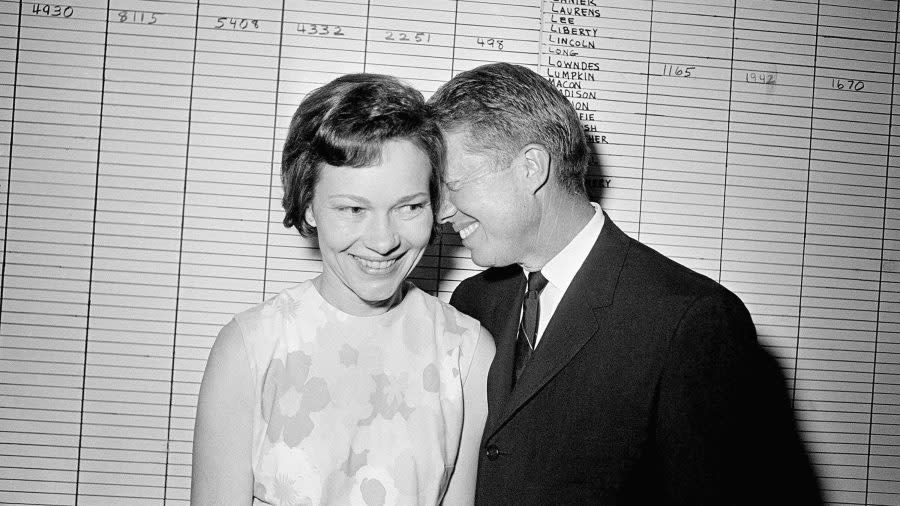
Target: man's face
[(485, 203)]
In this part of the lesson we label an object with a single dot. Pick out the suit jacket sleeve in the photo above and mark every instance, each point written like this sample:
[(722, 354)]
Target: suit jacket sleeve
[(725, 432)]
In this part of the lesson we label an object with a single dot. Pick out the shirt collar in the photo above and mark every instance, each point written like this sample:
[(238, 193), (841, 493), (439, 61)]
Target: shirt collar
[(561, 269)]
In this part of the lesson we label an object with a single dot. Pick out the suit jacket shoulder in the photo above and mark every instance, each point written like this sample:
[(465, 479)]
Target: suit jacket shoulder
[(479, 295)]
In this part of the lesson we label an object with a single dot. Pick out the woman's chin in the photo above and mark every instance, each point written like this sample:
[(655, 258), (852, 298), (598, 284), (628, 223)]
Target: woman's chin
[(384, 295)]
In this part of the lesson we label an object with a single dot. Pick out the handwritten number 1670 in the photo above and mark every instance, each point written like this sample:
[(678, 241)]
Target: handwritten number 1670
[(848, 84)]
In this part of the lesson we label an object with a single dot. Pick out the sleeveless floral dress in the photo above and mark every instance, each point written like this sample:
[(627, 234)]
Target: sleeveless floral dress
[(355, 410)]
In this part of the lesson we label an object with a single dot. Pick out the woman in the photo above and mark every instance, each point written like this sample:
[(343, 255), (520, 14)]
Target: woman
[(354, 387)]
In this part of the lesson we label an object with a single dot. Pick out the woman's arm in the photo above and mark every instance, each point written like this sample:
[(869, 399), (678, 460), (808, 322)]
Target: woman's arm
[(461, 490), (223, 431)]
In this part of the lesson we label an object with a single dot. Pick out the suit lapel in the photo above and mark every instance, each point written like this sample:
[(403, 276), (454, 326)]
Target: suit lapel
[(509, 294), (573, 324)]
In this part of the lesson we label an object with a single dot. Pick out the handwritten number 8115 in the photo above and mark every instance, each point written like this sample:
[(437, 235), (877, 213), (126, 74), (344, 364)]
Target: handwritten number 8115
[(141, 17)]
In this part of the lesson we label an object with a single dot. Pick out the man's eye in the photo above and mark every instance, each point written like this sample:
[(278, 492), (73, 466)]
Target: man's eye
[(453, 185), (351, 210)]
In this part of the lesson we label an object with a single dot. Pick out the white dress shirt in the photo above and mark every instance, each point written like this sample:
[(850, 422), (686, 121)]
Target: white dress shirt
[(561, 269)]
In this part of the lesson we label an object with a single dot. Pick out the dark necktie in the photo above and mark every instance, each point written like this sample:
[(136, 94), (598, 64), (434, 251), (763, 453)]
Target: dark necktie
[(528, 327)]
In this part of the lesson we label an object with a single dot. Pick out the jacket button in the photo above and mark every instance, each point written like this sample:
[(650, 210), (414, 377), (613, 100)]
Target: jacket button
[(492, 452)]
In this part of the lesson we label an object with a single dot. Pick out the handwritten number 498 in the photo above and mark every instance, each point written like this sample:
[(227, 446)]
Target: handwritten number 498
[(490, 43)]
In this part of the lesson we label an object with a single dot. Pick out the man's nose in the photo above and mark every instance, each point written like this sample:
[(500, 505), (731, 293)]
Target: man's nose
[(446, 211)]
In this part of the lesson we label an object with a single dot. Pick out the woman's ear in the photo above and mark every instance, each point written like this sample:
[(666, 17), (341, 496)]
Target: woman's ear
[(309, 216)]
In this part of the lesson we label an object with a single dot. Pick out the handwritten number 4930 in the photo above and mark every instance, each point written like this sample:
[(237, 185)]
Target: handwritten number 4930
[(54, 10)]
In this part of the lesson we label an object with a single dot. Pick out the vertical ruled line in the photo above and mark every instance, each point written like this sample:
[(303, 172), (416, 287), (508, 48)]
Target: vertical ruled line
[(812, 113), (540, 53), (272, 164), (646, 114), (452, 49), (87, 321), (887, 178), (366, 42), (727, 142), (12, 132), (184, 191), (442, 230)]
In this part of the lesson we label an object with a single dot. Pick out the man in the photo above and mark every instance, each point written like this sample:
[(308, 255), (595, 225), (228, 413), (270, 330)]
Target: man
[(620, 376)]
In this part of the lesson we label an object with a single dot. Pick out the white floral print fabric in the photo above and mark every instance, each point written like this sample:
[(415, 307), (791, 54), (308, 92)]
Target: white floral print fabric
[(355, 410)]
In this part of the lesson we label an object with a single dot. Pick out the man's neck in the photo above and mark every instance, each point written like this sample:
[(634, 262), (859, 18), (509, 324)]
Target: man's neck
[(562, 217)]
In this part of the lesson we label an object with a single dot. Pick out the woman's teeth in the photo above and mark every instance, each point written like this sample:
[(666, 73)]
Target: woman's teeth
[(376, 265)]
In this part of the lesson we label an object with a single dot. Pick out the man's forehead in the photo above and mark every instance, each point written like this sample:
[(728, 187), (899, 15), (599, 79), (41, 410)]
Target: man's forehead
[(462, 157)]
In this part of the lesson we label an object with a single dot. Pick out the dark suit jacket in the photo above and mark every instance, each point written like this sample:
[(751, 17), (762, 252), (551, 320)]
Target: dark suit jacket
[(647, 387)]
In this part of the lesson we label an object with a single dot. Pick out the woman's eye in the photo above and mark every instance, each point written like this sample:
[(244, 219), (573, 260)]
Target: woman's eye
[(412, 209), (353, 210)]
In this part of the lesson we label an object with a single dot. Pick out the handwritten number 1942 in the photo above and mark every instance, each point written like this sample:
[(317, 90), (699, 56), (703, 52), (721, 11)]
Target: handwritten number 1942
[(54, 10), (762, 77)]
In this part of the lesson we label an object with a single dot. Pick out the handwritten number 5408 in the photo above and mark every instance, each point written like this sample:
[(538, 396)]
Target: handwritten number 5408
[(226, 22)]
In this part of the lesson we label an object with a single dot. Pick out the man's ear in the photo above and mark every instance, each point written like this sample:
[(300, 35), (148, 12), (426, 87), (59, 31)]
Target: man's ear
[(309, 216), (537, 166)]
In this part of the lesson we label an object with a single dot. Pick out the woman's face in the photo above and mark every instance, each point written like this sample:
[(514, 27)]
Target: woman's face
[(373, 225)]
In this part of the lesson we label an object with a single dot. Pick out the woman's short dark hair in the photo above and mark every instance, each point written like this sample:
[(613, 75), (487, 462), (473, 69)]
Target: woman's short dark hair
[(345, 123)]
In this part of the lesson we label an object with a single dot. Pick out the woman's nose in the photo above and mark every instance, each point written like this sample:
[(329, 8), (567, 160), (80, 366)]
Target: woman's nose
[(382, 237)]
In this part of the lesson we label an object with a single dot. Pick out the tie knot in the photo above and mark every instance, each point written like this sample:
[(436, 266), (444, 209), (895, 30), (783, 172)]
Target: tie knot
[(536, 282)]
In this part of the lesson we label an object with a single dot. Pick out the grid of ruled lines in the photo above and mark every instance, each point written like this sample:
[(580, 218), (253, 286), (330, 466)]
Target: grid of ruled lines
[(753, 140)]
